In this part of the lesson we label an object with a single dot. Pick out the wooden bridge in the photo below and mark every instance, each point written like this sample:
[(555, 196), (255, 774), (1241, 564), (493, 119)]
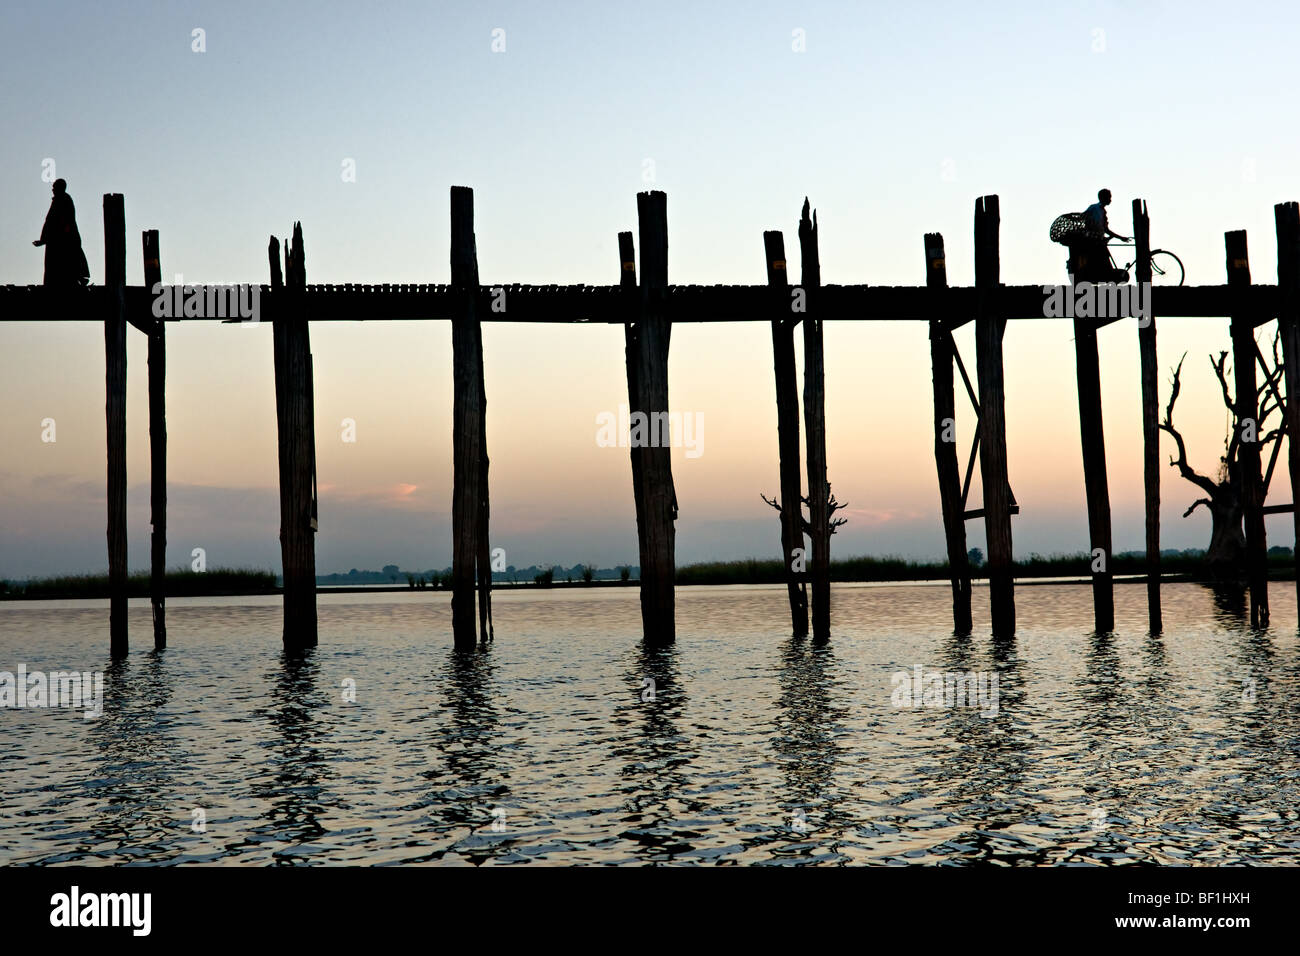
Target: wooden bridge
[(647, 306)]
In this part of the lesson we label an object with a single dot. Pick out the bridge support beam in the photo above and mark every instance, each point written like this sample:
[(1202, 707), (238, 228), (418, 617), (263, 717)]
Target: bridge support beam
[(1150, 412), (787, 428), (989, 329), (157, 449), (115, 412), (942, 353), (471, 561), (1248, 437), (631, 353), (295, 415), (648, 390), (814, 408), (1287, 217), (1093, 440)]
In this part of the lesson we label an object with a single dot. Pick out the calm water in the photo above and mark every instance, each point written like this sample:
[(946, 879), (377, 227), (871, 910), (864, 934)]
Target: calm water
[(754, 748)]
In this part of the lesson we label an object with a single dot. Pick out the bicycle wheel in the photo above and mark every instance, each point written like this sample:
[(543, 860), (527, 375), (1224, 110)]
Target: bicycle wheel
[(1166, 268)]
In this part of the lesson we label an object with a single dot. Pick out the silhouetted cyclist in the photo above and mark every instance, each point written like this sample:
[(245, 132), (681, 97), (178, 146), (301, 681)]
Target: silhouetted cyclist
[(1092, 258), (65, 261)]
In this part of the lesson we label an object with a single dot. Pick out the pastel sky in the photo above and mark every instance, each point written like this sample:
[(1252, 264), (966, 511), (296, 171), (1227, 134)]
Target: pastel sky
[(892, 119)]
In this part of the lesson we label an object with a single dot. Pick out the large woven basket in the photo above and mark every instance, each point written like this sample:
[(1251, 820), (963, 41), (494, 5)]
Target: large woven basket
[(1068, 228)]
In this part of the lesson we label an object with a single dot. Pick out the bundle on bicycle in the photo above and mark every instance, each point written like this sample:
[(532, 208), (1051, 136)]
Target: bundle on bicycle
[(1087, 235)]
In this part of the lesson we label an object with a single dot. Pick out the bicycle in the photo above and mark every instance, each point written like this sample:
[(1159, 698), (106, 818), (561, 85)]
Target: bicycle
[(1166, 268)]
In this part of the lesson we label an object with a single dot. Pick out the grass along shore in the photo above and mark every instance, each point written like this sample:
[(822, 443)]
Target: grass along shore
[(180, 583), (183, 582)]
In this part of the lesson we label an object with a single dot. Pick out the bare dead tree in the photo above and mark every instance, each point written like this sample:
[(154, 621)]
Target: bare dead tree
[(1223, 493), (804, 523)]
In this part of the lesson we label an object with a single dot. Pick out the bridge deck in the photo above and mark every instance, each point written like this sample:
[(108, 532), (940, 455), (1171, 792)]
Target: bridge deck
[(609, 304)]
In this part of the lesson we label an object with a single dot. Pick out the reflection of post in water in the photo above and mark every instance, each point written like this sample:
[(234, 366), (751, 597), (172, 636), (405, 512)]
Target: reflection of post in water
[(1259, 697), (467, 785), (1229, 602), (468, 744), (294, 791), (805, 739), (652, 751), (991, 757), (1122, 712), (138, 749)]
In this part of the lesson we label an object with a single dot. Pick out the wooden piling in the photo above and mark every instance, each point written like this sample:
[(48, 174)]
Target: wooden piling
[(468, 510), (653, 335), (989, 329), (1150, 412), (486, 631), (787, 427), (157, 449), (1287, 217), (632, 310), (1092, 437), (115, 413), (295, 416), (942, 351), (1243, 366), (814, 407)]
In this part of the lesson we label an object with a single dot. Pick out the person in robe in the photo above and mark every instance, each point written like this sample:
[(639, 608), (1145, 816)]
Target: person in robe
[(65, 261)]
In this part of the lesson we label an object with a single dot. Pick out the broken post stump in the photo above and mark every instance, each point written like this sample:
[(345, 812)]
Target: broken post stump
[(295, 418), (814, 407)]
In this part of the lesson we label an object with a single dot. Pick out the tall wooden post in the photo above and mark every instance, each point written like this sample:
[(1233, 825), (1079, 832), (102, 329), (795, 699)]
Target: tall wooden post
[(115, 412), (297, 445), (653, 335), (1287, 217), (942, 350), (787, 426), (468, 427), (486, 631), (989, 329), (1093, 439), (157, 449), (631, 353), (1150, 412), (1252, 484), (814, 408)]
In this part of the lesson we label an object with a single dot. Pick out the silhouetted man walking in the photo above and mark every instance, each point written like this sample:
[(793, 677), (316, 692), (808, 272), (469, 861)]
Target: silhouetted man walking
[(65, 262)]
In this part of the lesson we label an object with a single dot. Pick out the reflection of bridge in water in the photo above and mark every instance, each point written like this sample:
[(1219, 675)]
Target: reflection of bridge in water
[(647, 306)]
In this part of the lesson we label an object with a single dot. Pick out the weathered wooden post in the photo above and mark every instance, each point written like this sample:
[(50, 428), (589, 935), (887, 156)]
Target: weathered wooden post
[(1248, 437), (989, 329), (297, 444), (1093, 439), (1150, 411), (486, 631), (115, 412), (942, 350), (468, 510), (814, 408), (157, 448), (632, 310), (787, 426), (1287, 218), (653, 335)]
